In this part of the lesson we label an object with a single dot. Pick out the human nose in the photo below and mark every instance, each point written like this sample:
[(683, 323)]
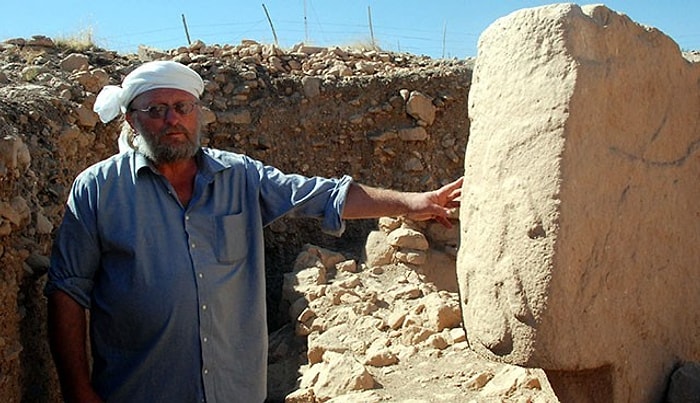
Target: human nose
[(171, 116)]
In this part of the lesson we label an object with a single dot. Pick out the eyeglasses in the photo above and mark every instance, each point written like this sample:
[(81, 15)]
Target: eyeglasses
[(158, 111)]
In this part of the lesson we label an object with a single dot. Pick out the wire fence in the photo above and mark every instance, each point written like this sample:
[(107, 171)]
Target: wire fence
[(440, 42)]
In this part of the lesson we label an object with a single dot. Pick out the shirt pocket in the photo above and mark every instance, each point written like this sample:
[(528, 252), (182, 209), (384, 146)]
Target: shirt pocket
[(231, 240)]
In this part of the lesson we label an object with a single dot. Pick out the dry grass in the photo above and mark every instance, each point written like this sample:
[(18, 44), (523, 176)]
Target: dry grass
[(81, 41), (363, 44)]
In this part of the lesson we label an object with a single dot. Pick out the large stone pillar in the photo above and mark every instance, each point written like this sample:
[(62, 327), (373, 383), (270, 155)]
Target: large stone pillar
[(580, 239)]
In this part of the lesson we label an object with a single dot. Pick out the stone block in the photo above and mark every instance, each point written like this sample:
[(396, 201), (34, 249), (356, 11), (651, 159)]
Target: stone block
[(580, 216)]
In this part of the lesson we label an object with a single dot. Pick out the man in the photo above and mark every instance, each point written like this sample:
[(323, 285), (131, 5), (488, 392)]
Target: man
[(164, 245)]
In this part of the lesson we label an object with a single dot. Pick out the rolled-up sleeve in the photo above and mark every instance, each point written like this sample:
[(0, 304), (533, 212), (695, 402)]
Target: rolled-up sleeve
[(300, 196), (76, 252)]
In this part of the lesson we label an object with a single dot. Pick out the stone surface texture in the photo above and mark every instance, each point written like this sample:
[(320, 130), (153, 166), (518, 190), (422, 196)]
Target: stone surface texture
[(580, 220)]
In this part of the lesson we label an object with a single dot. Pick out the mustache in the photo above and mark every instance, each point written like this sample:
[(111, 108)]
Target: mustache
[(174, 129)]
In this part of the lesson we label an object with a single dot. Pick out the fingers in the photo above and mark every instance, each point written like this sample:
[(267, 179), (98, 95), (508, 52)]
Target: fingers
[(457, 184), (444, 221), (453, 190), (450, 192)]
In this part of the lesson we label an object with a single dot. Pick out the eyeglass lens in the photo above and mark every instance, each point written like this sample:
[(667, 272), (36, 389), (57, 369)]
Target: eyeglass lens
[(159, 111)]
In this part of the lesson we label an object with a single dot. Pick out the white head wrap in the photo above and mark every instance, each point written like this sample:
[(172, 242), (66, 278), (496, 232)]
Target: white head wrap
[(114, 99)]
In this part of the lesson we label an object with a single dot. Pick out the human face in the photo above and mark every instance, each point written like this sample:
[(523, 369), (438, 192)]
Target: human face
[(171, 138)]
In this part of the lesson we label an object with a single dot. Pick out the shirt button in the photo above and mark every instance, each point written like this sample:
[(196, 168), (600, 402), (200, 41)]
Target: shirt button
[(193, 245), (204, 307), (206, 371), (200, 275), (187, 218), (206, 339)]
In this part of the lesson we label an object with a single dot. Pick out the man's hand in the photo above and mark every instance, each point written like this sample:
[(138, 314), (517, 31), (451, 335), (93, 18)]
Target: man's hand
[(436, 204)]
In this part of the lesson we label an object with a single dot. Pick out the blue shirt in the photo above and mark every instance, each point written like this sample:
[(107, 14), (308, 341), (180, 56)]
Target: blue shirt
[(177, 294)]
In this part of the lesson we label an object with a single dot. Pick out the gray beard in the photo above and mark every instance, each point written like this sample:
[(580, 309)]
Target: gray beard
[(160, 153)]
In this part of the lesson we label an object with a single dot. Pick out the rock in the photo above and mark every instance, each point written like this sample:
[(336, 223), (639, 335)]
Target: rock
[(341, 374), (86, 117), (414, 335), (310, 50), (241, 117), (381, 358), (328, 258), (307, 259), (334, 339), (30, 73), (408, 291), (684, 386), (208, 117), (303, 281), (407, 238), (16, 41), (439, 269), (421, 107), (578, 199), (304, 395), (311, 86), (75, 61), (437, 232), (437, 341), (458, 335), (72, 140), (43, 225), (384, 136), (415, 257), (14, 155), (396, 319), (413, 134), (348, 266), (479, 380), (507, 380), (388, 224), (350, 282), (413, 164), (38, 263), (442, 313), (93, 80), (339, 70), (16, 211), (40, 41), (296, 308), (147, 54)]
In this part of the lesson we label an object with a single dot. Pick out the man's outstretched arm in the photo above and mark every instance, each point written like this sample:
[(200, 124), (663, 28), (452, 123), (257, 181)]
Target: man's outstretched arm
[(369, 202)]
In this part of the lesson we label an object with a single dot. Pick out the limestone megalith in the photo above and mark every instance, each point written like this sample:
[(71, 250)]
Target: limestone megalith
[(580, 220)]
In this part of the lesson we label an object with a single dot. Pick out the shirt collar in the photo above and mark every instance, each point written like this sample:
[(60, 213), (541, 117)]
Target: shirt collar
[(207, 165)]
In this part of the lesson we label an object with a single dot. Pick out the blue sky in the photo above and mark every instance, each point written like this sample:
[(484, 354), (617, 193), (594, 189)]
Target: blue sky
[(437, 28)]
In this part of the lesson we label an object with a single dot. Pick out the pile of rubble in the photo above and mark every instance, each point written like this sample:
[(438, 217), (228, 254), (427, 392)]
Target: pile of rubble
[(380, 329), (303, 59)]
